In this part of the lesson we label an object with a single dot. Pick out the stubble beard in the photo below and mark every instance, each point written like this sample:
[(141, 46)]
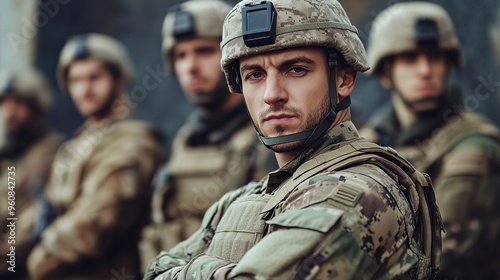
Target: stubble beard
[(312, 120)]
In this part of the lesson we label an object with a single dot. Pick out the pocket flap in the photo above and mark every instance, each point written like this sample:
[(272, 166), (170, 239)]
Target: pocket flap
[(314, 218)]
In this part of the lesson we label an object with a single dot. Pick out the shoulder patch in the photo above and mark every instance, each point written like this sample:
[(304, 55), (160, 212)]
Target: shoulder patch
[(347, 195)]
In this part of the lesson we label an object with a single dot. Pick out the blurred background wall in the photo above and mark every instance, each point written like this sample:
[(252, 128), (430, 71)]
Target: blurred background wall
[(34, 31)]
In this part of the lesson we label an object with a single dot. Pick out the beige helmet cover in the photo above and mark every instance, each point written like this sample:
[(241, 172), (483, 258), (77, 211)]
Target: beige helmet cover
[(26, 83), (299, 23), (393, 32), (97, 46), (208, 19)]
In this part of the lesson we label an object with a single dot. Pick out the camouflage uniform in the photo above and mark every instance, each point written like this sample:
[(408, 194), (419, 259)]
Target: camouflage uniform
[(460, 150), (99, 188), (349, 224), (342, 209), (209, 156), (31, 160)]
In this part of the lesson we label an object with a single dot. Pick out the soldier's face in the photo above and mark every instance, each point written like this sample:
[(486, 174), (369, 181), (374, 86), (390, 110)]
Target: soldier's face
[(420, 76), (197, 66), (286, 91), (15, 114), (91, 86)]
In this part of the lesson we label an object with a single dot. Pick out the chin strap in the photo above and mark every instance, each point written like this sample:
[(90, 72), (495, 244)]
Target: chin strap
[(310, 135)]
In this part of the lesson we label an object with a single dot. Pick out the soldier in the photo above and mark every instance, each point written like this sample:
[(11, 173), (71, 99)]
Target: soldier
[(27, 152), (217, 149), (99, 188), (428, 125), (338, 207)]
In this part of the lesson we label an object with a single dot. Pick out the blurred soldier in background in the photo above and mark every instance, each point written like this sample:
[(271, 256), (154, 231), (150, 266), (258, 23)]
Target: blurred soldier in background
[(26, 154), (495, 39), (99, 190), (217, 150), (338, 207), (413, 48)]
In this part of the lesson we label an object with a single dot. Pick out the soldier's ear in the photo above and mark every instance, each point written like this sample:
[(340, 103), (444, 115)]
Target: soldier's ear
[(346, 79)]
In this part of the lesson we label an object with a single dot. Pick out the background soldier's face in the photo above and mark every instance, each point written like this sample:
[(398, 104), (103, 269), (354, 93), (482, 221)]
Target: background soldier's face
[(420, 76), (197, 66), (16, 115), (286, 91), (91, 86)]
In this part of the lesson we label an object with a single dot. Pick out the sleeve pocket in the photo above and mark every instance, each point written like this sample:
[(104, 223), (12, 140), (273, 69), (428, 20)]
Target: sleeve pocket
[(319, 219)]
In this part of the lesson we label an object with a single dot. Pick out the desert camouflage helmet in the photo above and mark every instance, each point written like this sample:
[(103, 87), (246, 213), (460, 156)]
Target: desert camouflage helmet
[(299, 23), (27, 84), (96, 46), (192, 19), (407, 26)]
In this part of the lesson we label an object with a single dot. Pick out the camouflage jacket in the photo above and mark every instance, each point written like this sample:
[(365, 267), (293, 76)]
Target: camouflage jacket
[(350, 224), (461, 152), (99, 189)]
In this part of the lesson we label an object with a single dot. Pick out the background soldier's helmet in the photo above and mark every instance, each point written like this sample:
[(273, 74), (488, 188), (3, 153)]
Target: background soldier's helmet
[(299, 23), (192, 19), (408, 26), (26, 84), (96, 46)]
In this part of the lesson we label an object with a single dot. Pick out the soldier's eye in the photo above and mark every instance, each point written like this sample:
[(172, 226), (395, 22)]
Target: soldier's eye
[(297, 70), (254, 75)]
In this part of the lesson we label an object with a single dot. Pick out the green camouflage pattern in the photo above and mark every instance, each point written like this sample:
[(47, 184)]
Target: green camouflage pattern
[(462, 156), (359, 215), (319, 23), (393, 32)]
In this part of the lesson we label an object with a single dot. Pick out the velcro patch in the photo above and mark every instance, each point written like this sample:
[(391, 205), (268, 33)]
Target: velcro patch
[(348, 196)]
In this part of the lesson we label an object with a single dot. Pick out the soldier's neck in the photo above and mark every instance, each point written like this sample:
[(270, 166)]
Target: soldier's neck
[(231, 102), (405, 116), (118, 109)]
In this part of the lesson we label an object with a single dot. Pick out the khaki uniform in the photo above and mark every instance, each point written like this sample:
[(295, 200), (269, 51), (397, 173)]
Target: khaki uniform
[(461, 153), (334, 212), (99, 189), (31, 169), (199, 174)]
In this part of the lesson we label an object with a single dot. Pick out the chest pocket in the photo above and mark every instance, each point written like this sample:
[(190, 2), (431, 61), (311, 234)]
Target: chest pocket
[(239, 229)]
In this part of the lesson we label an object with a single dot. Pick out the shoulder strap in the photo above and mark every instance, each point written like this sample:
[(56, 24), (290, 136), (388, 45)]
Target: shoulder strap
[(463, 126), (355, 152)]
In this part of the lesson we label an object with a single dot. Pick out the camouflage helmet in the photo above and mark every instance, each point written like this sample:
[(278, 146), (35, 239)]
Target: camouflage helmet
[(27, 84), (192, 19), (406, 26), (299, 23), (96, 46)]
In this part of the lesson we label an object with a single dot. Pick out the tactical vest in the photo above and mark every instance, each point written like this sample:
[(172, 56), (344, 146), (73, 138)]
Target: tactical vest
[(243, 224), (462, 126), (197, 178)]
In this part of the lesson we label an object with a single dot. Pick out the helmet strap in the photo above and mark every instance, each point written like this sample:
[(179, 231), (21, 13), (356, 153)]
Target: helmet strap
[(312, 134)]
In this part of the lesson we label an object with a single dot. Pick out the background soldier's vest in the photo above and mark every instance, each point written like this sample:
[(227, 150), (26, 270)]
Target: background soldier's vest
[(424, 155), (197, 178)]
